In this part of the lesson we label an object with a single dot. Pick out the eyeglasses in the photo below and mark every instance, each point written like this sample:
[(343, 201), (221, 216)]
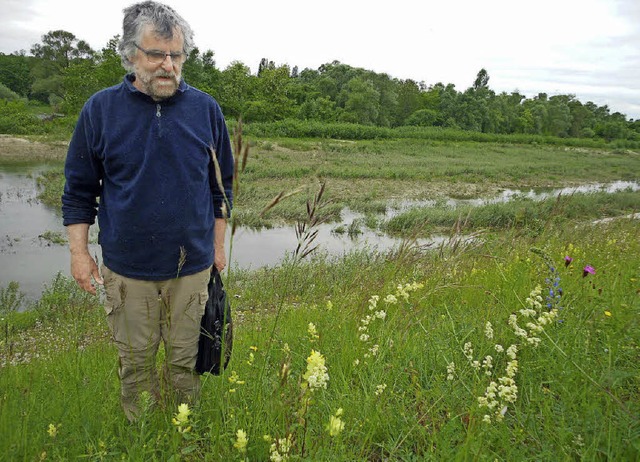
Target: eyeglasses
[(158, 57)]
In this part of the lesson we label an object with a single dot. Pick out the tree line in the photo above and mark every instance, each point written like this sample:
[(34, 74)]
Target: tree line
[(63, 71)]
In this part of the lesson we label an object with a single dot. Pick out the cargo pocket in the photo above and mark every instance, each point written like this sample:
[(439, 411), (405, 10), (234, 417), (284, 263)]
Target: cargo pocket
[(203, 296), (114, 290)]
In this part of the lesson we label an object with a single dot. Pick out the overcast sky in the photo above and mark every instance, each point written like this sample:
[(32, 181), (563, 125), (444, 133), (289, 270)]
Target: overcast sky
[(590, 48)]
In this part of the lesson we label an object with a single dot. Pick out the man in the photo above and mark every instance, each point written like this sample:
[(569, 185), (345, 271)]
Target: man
[(157, 153)]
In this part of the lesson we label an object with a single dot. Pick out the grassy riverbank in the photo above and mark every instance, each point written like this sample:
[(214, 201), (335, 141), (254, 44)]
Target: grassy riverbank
[(372, 176), (411, 370)]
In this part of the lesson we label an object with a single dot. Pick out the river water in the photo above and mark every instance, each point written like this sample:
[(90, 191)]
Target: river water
[(31, 259)]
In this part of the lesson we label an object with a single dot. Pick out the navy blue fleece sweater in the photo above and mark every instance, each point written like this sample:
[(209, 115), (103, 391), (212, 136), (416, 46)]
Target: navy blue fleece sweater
[(150, 165)]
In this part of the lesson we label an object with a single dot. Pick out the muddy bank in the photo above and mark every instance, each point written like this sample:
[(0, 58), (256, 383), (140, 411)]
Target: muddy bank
[(16, 149)]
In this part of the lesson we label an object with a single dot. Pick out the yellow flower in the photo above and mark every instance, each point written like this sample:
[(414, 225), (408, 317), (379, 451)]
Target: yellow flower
[(184, 410), (235, 378), (335, 425), (181, 419), (254, 348), (607, 313), (313, 332), (241, 441), (316, 375), (53, 431)]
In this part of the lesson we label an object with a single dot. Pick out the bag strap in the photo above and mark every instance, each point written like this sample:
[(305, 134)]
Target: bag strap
[(215, 274)]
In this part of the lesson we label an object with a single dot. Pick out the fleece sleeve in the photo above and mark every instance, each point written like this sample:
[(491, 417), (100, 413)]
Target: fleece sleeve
[(83, 175), (222, 194)]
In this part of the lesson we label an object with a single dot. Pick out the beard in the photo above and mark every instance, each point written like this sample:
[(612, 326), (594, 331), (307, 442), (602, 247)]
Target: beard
[(159, 84)]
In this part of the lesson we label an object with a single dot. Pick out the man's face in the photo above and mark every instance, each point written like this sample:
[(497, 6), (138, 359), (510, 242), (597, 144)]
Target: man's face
[(159, 80)]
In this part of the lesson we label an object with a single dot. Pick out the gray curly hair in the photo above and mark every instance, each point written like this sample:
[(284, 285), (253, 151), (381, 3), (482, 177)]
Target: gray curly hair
[(164, 20)]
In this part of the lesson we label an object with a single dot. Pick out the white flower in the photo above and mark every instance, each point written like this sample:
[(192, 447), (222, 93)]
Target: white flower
[(512, 368), (487, 364), (468, 351), (451, 370), (535, 341), (391, 299), (488, 330)]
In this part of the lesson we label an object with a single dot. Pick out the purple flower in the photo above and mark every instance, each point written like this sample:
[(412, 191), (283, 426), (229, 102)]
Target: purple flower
[(567, 260), (588, 270)]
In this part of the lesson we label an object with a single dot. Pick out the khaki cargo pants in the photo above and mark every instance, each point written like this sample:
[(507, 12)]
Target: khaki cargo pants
[(140, 314)]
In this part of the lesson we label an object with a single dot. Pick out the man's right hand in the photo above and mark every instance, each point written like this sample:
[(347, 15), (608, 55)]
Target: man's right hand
[(83, 269), (83, 266)]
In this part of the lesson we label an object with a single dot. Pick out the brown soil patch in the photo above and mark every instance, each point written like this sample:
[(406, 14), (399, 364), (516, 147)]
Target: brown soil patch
[(22, 149)]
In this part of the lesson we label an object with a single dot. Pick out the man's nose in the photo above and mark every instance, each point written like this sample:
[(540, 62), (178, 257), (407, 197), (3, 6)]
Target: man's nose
[(167, 64)]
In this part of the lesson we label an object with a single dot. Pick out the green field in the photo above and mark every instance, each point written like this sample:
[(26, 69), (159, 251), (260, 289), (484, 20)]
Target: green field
[(466, 351)]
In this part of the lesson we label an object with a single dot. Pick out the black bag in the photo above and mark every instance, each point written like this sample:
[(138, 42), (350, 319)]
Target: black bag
[(215, 341)]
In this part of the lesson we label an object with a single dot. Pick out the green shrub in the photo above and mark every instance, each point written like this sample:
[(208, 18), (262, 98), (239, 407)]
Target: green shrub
[(8, 94), (15, 119)]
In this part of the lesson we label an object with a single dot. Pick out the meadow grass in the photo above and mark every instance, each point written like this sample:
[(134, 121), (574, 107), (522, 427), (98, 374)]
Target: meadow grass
[(405, 342), (463, 352), (522, 213)]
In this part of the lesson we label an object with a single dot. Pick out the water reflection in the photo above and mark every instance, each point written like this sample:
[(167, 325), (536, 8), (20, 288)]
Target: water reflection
[(513, 194)]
